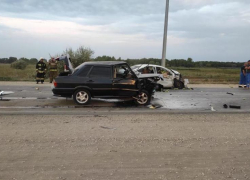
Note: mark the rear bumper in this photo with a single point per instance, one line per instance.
(63, 92)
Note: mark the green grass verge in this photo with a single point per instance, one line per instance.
(195, 75)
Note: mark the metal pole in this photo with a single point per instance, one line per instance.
(163, 61)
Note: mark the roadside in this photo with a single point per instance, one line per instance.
(125, 146)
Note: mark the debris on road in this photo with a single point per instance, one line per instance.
(235, 106)
(212, 108)
(225, 106)
(3, 93)
(104, 127)
(232, 106)
(230, 93)
(154, 106)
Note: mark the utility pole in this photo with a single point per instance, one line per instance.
(163, 61)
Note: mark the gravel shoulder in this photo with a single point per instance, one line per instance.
(127, 146)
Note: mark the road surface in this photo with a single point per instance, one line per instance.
(190, 136)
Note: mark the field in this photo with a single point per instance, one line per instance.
(195, 75)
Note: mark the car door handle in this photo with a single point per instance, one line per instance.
(90, 81)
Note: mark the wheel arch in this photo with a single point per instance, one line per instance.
(85, 88)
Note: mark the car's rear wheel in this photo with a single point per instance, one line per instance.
(178, 84)
(82, 97)
(143, 98)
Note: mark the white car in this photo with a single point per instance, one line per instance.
(170, 78)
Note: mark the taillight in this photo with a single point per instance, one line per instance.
(55, 84)
(66, 67)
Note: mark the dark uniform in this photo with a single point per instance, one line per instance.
(52, 69)
(40, 69)
(243, 79)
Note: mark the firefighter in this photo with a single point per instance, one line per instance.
(40, 70)
(52, 69)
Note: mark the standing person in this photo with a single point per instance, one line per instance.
(52, 69)
(243, 79)
(248, 74)
(40, 70)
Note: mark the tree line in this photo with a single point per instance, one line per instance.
(83, 54)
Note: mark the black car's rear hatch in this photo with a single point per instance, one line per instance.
(68, 68)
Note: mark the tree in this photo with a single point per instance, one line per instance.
(12, 59)
(79, 56)
(33, 61)
(20, 64)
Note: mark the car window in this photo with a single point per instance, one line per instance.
(147, 70)
(100, 72)
(164, 72)
(122, 71)
(83, 71)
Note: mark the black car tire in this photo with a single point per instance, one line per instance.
(143, 98)
(82, 96)
(158, 87)
(178, 84)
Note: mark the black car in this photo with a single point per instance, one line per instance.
(105, 79)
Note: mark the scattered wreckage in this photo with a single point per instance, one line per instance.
(104, 79)
(4, 93)
(169, 78)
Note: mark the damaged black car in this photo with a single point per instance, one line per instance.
(105, 79)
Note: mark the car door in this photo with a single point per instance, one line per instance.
(100, 80)
(168, 78)
(124, 81)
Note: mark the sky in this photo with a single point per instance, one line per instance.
(205, 30)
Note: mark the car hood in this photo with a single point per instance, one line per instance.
(176, 72)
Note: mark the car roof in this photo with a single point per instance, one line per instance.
(104, 63)
(144, 65)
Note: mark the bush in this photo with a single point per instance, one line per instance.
(80, 55)
(19, 64)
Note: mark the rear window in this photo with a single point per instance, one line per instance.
(100, 72)
(83, 71)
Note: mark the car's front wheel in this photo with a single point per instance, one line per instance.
(178, 84)
(143, 98)
(82, 97)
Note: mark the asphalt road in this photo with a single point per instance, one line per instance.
(48, 138)
(200, 99)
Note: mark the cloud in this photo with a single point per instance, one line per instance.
(129, 29)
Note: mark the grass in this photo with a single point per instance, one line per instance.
(9, 74)
(210, 75)
(195, 75)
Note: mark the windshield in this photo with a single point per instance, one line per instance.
(135, 67)
(123, 71)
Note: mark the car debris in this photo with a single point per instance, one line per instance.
(104, 127)
(4, 93)
(231, 106)
(235, 106)
(230, 93)
(212, 108)
(154, 106)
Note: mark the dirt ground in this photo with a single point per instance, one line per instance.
(117, 147)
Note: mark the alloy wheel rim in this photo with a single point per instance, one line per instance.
(82, 97)
(143, 98)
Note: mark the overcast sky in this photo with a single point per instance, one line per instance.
(211, 30)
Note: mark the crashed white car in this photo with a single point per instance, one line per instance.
(170, 77)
